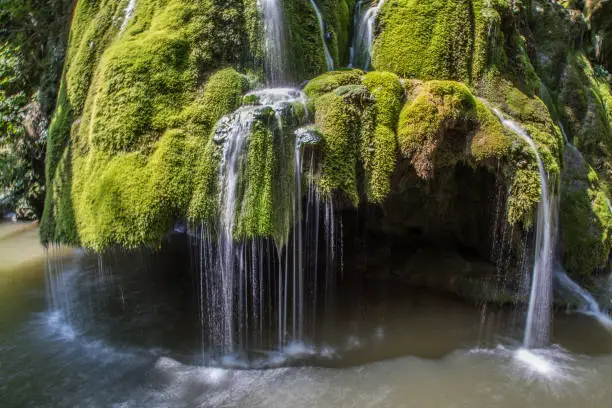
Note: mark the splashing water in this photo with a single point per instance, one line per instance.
(328, 58)
(363, 36)
(274, 29)
(127, 15)
(540, 298)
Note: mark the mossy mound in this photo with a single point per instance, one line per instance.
(444, 123)
(134, 116)
(436, 39)
(586, 220)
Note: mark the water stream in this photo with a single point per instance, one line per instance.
(540, 299)
(328, 58)
(588, 305)
(127, 15)
(363, 34)
(274, 28)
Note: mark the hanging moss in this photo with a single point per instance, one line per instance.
(338, 122)
(380, 150)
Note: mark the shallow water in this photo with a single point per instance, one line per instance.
(123, 331)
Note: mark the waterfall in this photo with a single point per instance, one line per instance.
(588, 304)
(127, 15)
(259, 282)
(363, 35)
(540, 298)
(328, 58)
(274, 29)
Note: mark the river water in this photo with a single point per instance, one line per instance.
(122, 330)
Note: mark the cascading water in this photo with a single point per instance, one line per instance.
(127, 15)
(540, 298)
(274, 29)
(588, 304)
(363, 35)
(260, 282)
(328, 58)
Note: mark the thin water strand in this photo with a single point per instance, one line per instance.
(328, 58)
(588, 305)
(127, 15)
(363, 36)
(540, 298)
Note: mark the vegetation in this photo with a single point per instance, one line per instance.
(134, 145)
(32, 44)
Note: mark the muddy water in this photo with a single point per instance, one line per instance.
(123, 331)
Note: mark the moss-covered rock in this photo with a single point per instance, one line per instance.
(445, 123)
(332, 80)
(436, 39)
(135, 110)
(586, 221)
(379, 150)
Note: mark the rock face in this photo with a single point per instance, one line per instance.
(412, 150)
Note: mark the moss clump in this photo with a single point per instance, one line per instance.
(138, 91)
(338, 121)
(129, 148)
(586, 107)
(436, 39)
(222, 94)
(533, 115)
(586, 222)
(267, 180)
(332, 80)
(442, 119)
(129, 199)
(379, 151)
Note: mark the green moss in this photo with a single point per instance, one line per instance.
(380, 150)
(338, 15)
(332, 80)
(128, 199)
(424, 122)
(256, 206)
(304, 44)
(586, 222)
(338, 122)
(436, 39)
(129, 148)
(267, 180)
(525, 194)
(533, 115)
(586, 104)
(222, 94)
(139, 91)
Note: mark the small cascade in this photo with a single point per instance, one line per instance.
(127, 15)
(540, 298)
(588, 305)
(328, 58)
(363, 35)
(274, 29)
(264, 282)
